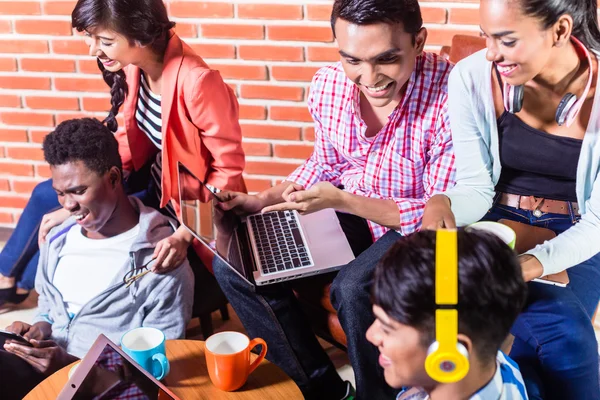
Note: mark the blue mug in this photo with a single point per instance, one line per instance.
(147, 348)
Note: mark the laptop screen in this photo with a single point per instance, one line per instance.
(215, 228)
(114, 377)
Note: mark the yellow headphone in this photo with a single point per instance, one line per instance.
(447, 360)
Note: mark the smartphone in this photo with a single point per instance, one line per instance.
(548, 282)
(13, 336)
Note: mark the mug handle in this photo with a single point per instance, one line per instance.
(164, 365)
(253, 343)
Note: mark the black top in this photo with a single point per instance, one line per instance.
(536, 163)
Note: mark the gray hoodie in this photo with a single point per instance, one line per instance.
(161, 301)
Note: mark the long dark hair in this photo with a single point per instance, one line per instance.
(143, 21)
(583, 12)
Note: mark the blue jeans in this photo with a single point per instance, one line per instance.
(555, 345)
(273, 313)
(19, 258)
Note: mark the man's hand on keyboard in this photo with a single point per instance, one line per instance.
(320, 196)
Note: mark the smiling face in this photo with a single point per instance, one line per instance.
(112, 49)
(379, 58)
(517, 43)
(89, 197)
(402, 353)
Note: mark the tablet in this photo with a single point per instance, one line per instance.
(106, 372)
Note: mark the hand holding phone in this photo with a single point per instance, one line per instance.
(6, 335)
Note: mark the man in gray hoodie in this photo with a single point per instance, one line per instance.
(91, 277)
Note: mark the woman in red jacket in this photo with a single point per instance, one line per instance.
(176, 108)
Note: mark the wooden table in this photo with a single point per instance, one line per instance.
(189, 379)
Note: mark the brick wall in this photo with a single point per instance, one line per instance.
(268, 52)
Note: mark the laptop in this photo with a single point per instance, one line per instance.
(106, 372)
(263, 248)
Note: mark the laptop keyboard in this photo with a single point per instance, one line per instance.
(279, 243)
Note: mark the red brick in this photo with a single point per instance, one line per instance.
(290, 113)
(89, 66)
(212, 50)
(270, 11)
(52, 103)
(464, 16)
(13, 135)
(186, 30)
(230, 31)
(8, 64)
(58, 7)
(301, 33)
(10, 100)
(16, 169)
(292, 93)
(5, 27)
(23, 46)
(26, 119)
(321, 53)
(75, 46)
(6, 218)
(43, 27)
(61, 117)
(318, 12)
(257, 149)
(81, 84)
(443, 37)
(293, 151)
(289, 73)
(270, 132)
(37, 136)
(2, 152)
(25, 153)
(43, 171)
(252, 112)
(229, 71)
(25, 82)
(433, 15)
(201, 9)
(269, 168)
(24, 187)
(4, 185)
(47, 65)
(20, 8)
(96, 104)
(271, 53)
(308, 133)
(257, 185)
(13, 201)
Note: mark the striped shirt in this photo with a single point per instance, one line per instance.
(408, 161)
(148, 113)
(507, 384)
(149, 119)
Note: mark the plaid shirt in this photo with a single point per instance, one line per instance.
(507, 384)
(408, 161)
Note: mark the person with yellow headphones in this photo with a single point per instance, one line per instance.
(444, 302)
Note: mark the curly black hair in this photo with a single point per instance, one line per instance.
(83, 139)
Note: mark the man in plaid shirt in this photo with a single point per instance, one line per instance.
(382, 149)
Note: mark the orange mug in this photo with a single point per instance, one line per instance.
(228, 359)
